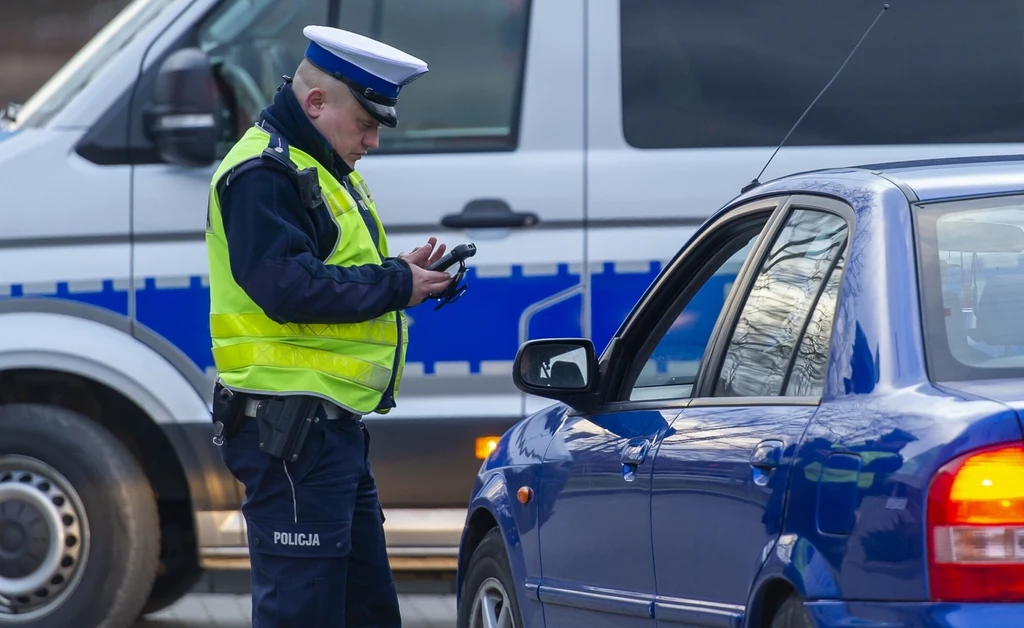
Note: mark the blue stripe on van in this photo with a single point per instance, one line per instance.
(482, 326)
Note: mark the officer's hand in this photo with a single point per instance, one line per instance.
(426, 282)
(424, 256)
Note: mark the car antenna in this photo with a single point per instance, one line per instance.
(756, 182)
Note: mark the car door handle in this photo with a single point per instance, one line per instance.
(489, 214)
(633, 455)
(767, 454)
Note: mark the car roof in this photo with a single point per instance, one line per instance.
(920, 181)
(955, 177)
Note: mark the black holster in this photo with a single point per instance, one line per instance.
(228, 411)
(284, 423)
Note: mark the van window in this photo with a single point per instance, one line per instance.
(736, 73)
(971, 268)
(251, 45)
(475, 50)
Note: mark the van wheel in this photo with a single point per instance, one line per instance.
(169, 589)
(79, 531)
(792, 614)
(489, 594)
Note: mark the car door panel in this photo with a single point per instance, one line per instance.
(595, 528)
(720, 479)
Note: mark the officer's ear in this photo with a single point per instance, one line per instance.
(315, 102)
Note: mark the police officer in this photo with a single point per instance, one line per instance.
(308, 333)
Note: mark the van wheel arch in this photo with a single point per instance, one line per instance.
(179, 568)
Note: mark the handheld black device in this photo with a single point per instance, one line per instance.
(457, 255)
(455, 289)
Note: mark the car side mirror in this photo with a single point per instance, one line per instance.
(182, 120)
(561, 369)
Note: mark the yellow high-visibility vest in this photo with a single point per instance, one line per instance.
(351, 364)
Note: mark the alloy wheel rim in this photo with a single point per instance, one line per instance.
(44, 539)
(492, 607)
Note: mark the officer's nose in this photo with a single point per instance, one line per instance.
(372, 138)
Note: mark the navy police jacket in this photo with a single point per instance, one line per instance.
(277, 247)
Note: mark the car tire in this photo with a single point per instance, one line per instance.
(792, 614)
(489, 576)
(79, 529)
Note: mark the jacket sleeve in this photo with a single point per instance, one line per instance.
(272, 249)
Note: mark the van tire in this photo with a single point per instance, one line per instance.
(169, 590)
(792, 614)
(54, 456)
(488, 569)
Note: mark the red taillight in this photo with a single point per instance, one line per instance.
(976, 527)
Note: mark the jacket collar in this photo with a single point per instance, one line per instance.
(287, 117)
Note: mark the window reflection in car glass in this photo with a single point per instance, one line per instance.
(807, 378)
(779, 303)
(670, 371)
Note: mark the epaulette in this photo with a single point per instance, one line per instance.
(277, 154)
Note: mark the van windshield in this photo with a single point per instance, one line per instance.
(971, 269)
(87, 62)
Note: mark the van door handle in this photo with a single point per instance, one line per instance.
(489, 214)
(633, 455)
(767, 454)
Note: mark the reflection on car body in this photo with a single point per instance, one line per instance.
(842, 445)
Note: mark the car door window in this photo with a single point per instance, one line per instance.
(670, 370)
(769, 333)
(807, 375)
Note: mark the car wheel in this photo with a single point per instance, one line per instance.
(792, 614)
(79, 531)
(488, 595)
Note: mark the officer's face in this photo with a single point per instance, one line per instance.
(349, 128)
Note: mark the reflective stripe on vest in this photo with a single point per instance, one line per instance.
(247, 354)
(235, 325)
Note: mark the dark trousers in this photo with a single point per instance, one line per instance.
(316, 537)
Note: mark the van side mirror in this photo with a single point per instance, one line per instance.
(561, 369)
(182, 120)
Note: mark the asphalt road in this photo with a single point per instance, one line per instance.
(226, 610)
(221, 600)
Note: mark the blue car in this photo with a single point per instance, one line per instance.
(840, 444)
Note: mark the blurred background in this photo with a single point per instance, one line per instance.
(38, 37)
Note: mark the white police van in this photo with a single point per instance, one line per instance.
(577, 142)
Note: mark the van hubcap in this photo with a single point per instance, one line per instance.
(24, 537)
(491, 606)
(43, 539)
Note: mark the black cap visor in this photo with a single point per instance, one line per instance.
(384, 114)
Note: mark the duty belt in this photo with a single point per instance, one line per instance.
(333, 411)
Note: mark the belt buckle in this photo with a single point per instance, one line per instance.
(332, 411)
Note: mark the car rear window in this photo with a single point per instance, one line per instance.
(971, 270)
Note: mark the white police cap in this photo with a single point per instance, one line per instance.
(374, 71)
